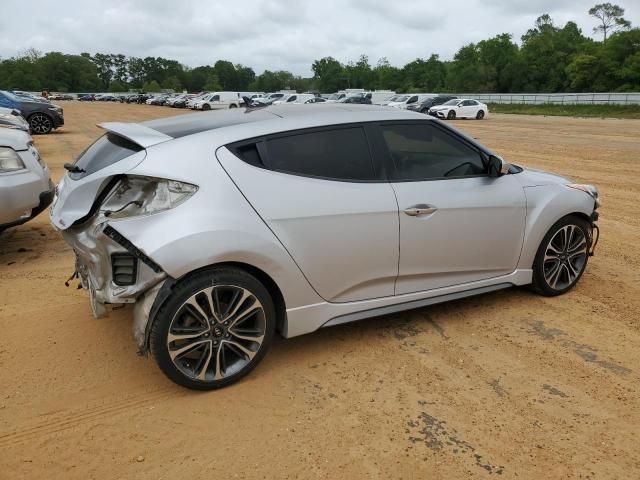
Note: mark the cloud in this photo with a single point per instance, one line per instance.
(273, 34)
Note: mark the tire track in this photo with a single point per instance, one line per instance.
(72, 420)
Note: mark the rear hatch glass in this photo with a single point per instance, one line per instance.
(107, 150)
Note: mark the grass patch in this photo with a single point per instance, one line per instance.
(612, 111)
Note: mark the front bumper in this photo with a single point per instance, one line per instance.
(99, 249)
(437, 113)
(23, 197)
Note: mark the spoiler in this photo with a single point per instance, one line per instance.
(136, 133)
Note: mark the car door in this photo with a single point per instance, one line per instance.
(457, 224)
(334, 212)
(215, 102)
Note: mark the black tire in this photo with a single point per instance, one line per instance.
(233, 105)
(206, 106)
(480, 115)
(451, 115)
(567, 263)
(40, 123)
(195, 284)
(424, 110)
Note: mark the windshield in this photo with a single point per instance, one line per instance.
(399, 98)
(451, 102)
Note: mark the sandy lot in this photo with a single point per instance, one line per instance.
(508, 384)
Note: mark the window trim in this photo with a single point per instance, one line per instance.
(391, 164)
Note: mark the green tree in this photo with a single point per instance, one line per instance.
(117, 86)
(610, 17)
(151, 87)
(329, 74)
(212, 84)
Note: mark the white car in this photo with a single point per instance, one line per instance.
(460, 108)
(218, 101)
(403, 101)
(25, 186)
(295, 98)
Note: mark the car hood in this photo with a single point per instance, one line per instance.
(13, 138)
(442, 107)
(535, 178)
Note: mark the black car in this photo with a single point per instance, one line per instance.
(42, 117)
(360, 99)
(426, 104)
(87, 98)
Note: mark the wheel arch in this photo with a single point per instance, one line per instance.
(164, 293)
(546, 205)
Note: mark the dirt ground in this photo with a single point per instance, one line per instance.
(507, 384)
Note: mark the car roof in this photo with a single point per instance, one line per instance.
(272, 117)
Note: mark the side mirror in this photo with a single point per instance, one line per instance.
(497, 166)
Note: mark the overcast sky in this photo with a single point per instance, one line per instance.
(276, 34)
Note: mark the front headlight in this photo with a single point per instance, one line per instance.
(10, 161)
(135, 196)
(588, 189)
(56, 109)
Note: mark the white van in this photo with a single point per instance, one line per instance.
(405, 99)
(218, 101)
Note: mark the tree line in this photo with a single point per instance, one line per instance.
(550, 58)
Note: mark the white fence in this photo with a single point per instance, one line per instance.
(557, 98)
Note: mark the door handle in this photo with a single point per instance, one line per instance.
(421, 209)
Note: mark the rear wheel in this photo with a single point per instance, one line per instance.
(215, 328)
(480, 115)
(451, 115)
(40, 123)
(233, 105)
(562, 256)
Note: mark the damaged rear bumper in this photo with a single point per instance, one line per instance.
(110, 267)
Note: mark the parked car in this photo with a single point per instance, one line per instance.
(25, 186)
(218, 100)
(361, 99)
(106, 97)
(11, 118)
(404, 101)
(86, 97)
(424, 105)
(30, 97)
(42, 117)
(460, 108)
(304, 218)
(181, 102)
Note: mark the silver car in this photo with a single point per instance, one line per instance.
(224, 228)
(25, 186)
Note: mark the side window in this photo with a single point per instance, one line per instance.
(215, 98)
(341, 154)
(413, 99)
(424, 152)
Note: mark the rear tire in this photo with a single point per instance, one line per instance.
(40, 124)
(233, 105)
(480, 115)
(216, 326)
(562, 256)
(451, 115)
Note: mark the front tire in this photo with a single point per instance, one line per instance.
(451, 115)
(206, 106)
(233, 105)
(40, 124)
(480, 115)
(214, 329)
(562, 256)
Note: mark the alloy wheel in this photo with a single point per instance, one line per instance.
(216, 332)
(40, 123)
(565, 257)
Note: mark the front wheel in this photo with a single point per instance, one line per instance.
(480, 115)
(451, 115)
(40, 123)
(206, 106)
(233, 105)
(562, 256)
(214, 329)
